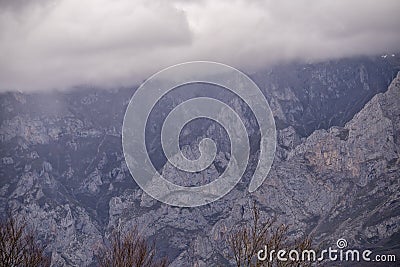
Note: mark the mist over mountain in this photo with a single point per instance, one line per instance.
(48, 45)
(335, 175)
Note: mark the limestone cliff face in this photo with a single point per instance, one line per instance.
(359, 167)
(365, 148)
(336, 171)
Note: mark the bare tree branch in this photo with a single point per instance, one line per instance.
(246, 240)
(18, 246)
(129, 250)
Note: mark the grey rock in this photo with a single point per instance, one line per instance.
(336, 173)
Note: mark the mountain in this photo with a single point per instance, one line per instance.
(335, 174)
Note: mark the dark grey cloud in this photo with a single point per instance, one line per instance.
(48, 44)
(21, 5)
(14, 4)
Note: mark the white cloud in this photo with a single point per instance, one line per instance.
(62, 43)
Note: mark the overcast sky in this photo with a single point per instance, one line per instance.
(58, 44)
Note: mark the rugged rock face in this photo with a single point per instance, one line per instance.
(318, 96)
(335, 175)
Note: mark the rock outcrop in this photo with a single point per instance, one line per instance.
(335, 175)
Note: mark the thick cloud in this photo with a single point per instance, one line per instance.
(57, 44)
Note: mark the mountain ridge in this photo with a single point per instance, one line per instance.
(62, 167)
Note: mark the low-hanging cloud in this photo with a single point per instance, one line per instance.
(58, 44)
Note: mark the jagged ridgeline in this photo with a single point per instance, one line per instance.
(335, 172)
